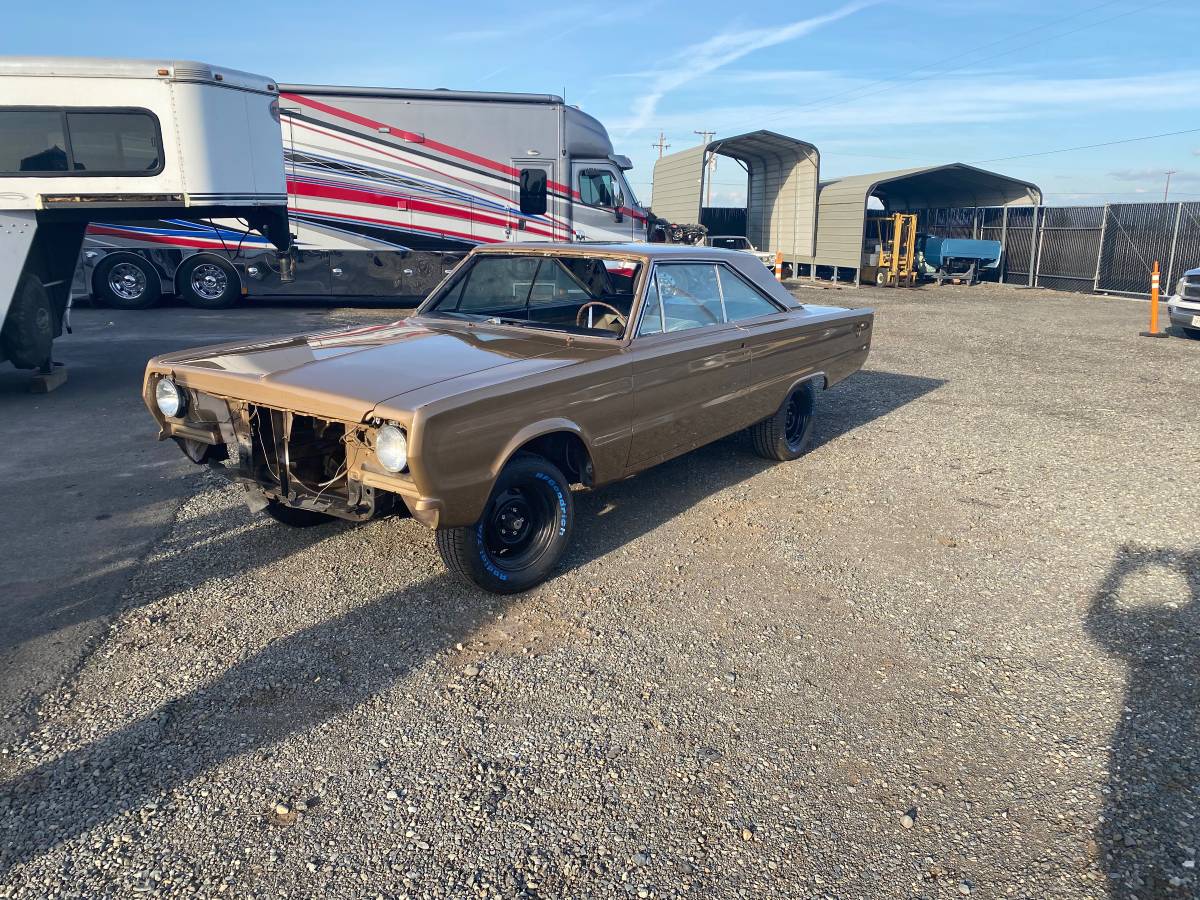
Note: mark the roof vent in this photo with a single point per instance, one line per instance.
(193, 70)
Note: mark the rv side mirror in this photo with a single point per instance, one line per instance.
(618, 204)
(533, 192)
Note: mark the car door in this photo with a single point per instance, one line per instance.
(689, 365)
(598, 210)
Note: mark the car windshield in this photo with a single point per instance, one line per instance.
(579, 294)
(730, 243)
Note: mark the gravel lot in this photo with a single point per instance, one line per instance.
(953, 651)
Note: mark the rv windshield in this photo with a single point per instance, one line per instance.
(580, 294)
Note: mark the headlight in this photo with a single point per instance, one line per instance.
(1180, 285)
(170, 399)
(391, 448)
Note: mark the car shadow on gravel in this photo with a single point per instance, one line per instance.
(617, 514)
(295, 683)
(1150, 827)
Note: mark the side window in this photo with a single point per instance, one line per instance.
(533, 192)
(741, 300)
(32, 141)
(651, 310)
(691, 297)
(597, 188)
(113, 142)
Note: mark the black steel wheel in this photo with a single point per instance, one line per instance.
(126, 281)
(522, 533)
(787, 432)
(208, 282)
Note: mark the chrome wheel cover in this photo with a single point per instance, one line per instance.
(127, 281)
(209, 281)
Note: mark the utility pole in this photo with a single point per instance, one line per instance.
(1167, 189)
(661, 145)
(705, 137)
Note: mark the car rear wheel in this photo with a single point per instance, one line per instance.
(293, 517)
(522, 533)
(126, 281)
(208, 282)
(786, 433)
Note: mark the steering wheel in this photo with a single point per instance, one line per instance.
(616, 312)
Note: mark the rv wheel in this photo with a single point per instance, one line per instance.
(126, 281)
(208, 282)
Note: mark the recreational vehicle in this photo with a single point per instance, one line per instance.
(387, 190)
(85, 140)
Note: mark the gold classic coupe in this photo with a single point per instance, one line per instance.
(530, 369)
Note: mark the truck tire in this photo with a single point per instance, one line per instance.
(522, 533)
(126, 281)
(787, 432)
(208, 282)
(30, 326)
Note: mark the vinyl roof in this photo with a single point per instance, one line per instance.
(923, 187)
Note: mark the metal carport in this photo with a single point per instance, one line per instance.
(842, 202)
(781, 192)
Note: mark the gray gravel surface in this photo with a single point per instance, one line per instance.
(951, 652)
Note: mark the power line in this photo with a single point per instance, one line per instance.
(1132, 140)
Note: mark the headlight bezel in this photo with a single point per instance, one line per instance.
(166, 387)
(391, 447)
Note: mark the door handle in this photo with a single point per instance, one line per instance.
(337, 272)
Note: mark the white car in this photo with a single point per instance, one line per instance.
(739, 242)
(1184, 305)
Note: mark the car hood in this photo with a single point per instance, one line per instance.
(345, 374)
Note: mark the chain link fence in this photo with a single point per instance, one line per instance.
(1105, 249)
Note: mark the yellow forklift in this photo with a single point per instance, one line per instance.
(897, 235)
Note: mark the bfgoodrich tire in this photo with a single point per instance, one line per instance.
(787, 433)
(126, 281)
(208, 282)
(29, 327)
(522, 533)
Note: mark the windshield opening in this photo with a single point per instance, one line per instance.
(579, 294)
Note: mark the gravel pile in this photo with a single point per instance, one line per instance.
(952, 652)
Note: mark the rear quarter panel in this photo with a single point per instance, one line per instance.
(815, 341)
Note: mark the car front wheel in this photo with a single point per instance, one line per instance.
(522, 533)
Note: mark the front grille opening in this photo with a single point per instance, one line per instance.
(317, 455)
(307, 460)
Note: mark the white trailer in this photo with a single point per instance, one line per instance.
(387, 189)
(83, 140)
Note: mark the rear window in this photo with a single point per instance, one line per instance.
(79, 141)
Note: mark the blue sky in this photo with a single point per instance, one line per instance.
(874, 85)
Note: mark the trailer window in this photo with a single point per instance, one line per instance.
(124, 142)
(32, 141)
(597, 187)
(533, 192)
(37, 141)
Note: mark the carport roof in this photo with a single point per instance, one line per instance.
(761, 145)
(952, 184)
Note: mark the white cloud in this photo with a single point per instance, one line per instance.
(720, 50)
